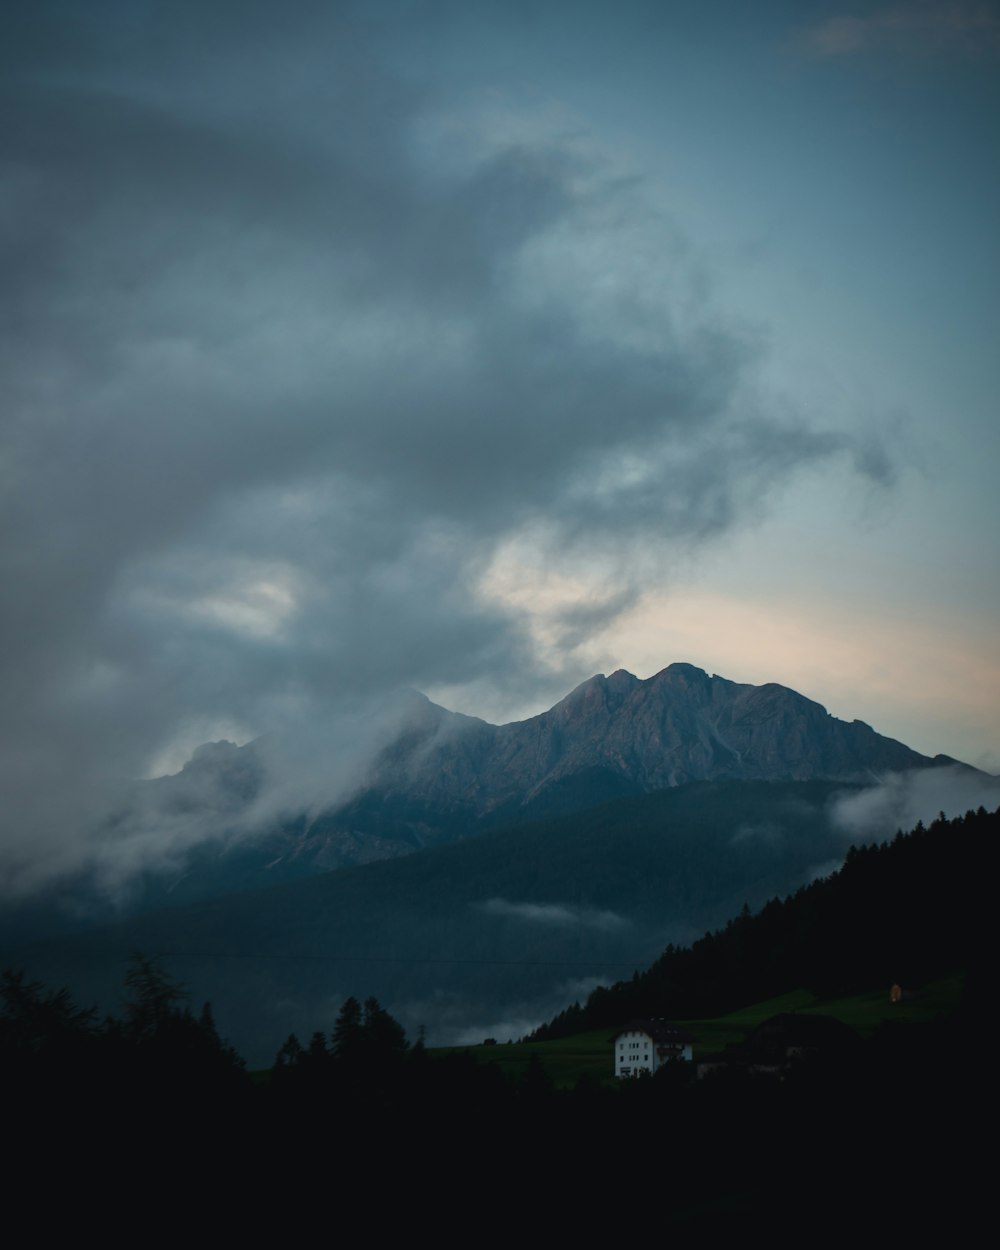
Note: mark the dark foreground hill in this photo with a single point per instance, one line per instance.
(902, 912)
(858, 1134)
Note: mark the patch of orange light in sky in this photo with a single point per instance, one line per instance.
(926, 681)
(937, 691)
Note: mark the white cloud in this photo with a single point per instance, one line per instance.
(903, 799)
(560, 915)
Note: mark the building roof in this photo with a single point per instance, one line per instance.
(663, 1032)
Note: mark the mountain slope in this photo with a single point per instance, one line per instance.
(502, 928)
(239, 818)
(906, 911)
(678, 726)
(446, 776)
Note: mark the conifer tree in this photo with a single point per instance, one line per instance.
(348, 1037)
(384, 1037)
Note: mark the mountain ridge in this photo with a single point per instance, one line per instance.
(241, 817)
(677, 726)
(442, 775)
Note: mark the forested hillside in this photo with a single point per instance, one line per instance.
(900, 912)
(497, 930)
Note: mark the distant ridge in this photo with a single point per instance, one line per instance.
(630, 815)
(440, 776)
(678, 726)
(444, 776)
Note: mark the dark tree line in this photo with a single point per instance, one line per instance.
(53, 1049)
(362, 1059)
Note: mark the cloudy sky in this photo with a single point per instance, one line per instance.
(481, 347)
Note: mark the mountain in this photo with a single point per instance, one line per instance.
(443, 776)
(631, 814)
(681, 725)
(239, 818)
(491, 935)
(485, 936)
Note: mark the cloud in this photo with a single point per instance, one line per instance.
(765, 833)
(825, 869)
(909, 29)
(903, 799)
(457, 1022)
(560, 915)
(223, 794)
(282, 375)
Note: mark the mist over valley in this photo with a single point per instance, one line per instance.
(478, 878)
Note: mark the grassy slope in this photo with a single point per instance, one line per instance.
(590, 1054)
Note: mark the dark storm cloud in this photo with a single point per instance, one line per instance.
(918, 28)
(278, 377)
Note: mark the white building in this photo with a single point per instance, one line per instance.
(646, 1045)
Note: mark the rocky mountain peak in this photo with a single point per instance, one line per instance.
(433, 775)
(622, 679)
(629, 735)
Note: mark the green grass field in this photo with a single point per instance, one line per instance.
(591, 1054)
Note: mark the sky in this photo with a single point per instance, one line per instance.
(478, 348)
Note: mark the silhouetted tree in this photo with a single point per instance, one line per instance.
(290, 1055)
(383, 1037)
(152, 998)
(348, 1039)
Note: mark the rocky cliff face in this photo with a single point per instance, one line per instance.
(240, 819)
(681, 725)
